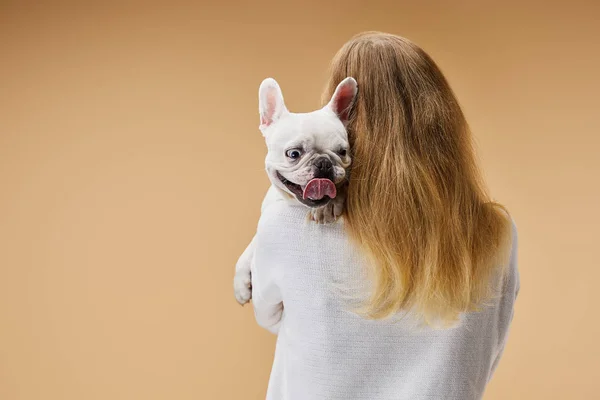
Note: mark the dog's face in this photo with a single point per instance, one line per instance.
(308, 155)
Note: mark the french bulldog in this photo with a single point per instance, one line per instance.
(307, 161)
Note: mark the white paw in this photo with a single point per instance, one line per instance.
(327, 214)
(242, 286)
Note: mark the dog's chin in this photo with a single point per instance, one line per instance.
(298, 190)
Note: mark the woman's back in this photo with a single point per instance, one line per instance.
(326, 351)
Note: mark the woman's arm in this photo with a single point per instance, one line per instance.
(242, 281)
(510, 292)
(266, 298)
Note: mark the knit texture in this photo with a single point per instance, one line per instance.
(325, 351)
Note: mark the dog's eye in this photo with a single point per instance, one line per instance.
(294, 154)
(343, 152)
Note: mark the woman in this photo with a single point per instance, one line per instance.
(411, 295)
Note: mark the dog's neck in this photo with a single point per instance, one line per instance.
(286, 196)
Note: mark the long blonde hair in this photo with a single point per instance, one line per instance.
(416, 201)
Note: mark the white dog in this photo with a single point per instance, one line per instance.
(307, 160)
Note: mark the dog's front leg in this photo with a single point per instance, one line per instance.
(242, 282)
(329, 213)
(332, 211)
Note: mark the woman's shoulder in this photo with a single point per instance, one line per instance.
(283, 219)
(510, 280)
(513, 261)
(276, 207)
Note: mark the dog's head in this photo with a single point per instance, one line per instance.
(308, 153)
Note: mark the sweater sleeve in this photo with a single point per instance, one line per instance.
(266, 298)
(509, 296)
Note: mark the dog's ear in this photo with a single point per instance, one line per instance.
(270, 103)
(343, 98)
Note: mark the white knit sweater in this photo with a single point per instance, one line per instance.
(326, 352)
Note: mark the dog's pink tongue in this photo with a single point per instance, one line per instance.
(318, 188)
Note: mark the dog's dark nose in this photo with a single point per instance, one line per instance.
(323, 164)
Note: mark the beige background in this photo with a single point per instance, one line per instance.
(131, 174)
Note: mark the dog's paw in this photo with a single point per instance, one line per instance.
(323, 215)
(242, 286)
(327, 214)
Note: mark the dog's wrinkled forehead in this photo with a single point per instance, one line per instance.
(322, 129)
(318, 130)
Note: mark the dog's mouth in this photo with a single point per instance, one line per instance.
(316, 193)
